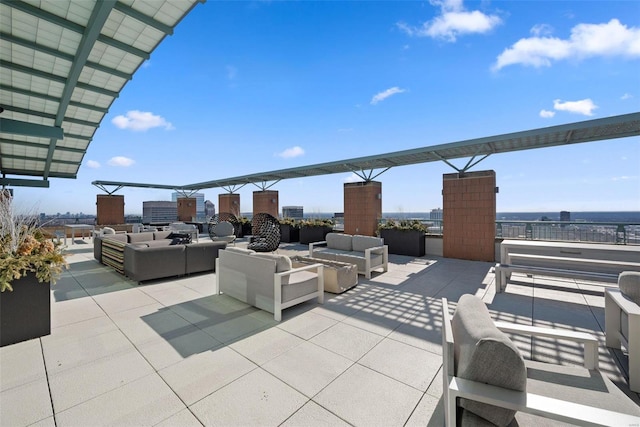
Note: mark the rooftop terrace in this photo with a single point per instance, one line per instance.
(169, 352)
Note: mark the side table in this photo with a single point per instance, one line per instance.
(338, 276)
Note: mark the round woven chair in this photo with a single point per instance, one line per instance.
(266, 233)
(222, 217)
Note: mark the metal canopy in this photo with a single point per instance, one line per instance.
(62, 64)
(587, 131)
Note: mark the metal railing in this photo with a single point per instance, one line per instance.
(595, 232)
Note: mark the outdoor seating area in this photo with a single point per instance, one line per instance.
(176, 352)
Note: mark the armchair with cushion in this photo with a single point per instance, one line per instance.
(267, 281)
(487, 382)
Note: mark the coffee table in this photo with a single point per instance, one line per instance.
(338, 276)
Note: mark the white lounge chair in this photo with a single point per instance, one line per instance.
(487, 382)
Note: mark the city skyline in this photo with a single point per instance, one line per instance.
(247, 87)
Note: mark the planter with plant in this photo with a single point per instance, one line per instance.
(289, 230)
(315, 230)
(29, 263)
(405, 237)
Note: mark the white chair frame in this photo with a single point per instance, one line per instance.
(614, 305)
(535, 404)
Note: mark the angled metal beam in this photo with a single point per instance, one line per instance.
(42, 14)
(17, 127)
(40, 146)
(98, 17)
(123, 46)
(19, 182)
(30, 112)
(35, 46)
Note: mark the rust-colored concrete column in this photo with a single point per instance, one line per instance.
(266, 201)
(469, 215)
(362, 207)
(186, 208)
(229, 203)
(110, 209)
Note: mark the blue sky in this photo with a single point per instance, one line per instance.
(247, 87)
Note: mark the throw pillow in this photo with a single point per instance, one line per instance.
(629, 284)
(108, 230)
(485, 354)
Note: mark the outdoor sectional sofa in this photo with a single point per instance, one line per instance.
(154, 255)
(366, 252)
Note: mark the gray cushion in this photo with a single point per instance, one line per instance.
(339, 241)
(239, 250)
(629, 284)
(283, 262)
(360, 243)
(485, 354)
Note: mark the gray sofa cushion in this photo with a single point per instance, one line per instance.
(339, 241)
(360, 243)
(485, 354)
(629, 284)
(283, 262)
(239, 250)
(139, 237)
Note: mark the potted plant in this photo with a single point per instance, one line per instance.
(315, 230)
(245, 226)
(405, 237)
(29, 263)
(289, 230)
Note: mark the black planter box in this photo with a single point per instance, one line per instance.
(404, 242)
(313, 234)
(289, 233)
(25, 313)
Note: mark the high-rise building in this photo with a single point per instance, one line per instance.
(565, 216)
(200, 208)
(159, 211)
(209, 209)
(436, 214)
(295, 212)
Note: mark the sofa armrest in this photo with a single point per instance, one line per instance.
(590, 342)
(313, 245)
(317, 266)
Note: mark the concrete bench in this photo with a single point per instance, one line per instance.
(596, 265)
(503, 273)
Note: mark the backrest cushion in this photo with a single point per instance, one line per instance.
(157, 235)
(360, 243)
(339, 241)
(108, 230)
(484, 354)
(223, 228)
(629, 284)
(283, 262)
(239, 250)
(139, 237)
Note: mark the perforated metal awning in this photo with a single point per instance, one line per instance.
(62, 64)
(475, 149)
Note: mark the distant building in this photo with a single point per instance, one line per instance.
(161, 211)
(295, 212)
(209, 209)
(565, 216)
(200, 208)
(436, 214)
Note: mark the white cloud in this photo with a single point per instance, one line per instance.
(626, 96)
(584, 106)
(541, 30)
(120, 161)
(586, 40)
(292, 152)
(352, 178)
(386, 94)
(232, 72)
(453, 21)
(93, 164)
(546, 114)
(140, 121)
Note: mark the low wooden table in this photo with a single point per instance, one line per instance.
(338, 276)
